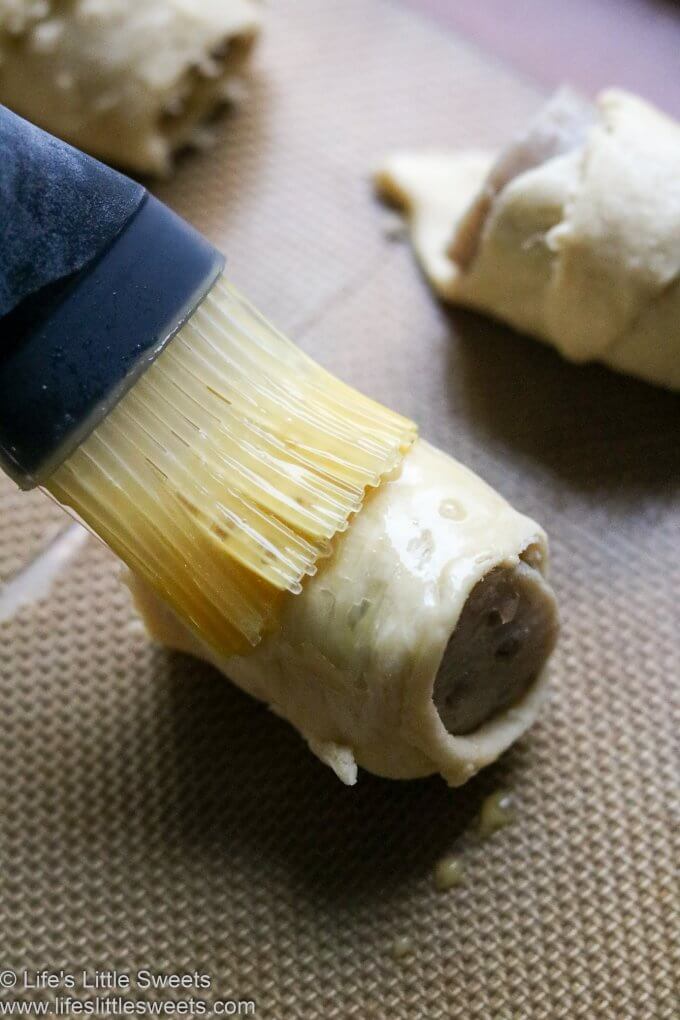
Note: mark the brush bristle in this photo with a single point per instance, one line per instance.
(223, 475)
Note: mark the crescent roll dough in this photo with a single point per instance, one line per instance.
(131, 81)
(419, 645)
(571, 234)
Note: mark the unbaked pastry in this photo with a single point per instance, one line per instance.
(129, 81)
(420, 644)
(571, 234)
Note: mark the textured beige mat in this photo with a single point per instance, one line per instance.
(28, 522)
(153, 817)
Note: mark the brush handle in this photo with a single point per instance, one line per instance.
(96, 276)
(60, 209)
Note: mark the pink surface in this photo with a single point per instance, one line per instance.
(589, 43)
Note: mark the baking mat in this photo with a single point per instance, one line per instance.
(153, 817)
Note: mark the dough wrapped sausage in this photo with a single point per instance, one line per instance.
(129, 81)
(420, 644)
(571, 234)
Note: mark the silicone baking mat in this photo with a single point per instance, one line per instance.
(153, 817)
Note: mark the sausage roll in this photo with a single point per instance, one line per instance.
(571, 234)
(419, 646)
(130, 82)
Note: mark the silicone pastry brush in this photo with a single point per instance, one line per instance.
(146, 395)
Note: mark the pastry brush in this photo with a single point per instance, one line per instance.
(145, 394)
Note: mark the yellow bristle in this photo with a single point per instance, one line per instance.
(224, 473)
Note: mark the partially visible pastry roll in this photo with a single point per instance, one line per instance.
(572, 234)
(420, 644)
(130, 81)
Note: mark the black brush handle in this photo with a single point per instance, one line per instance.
(96, 276)
(59, 209)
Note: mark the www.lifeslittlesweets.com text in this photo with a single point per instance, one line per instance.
(19, 986)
